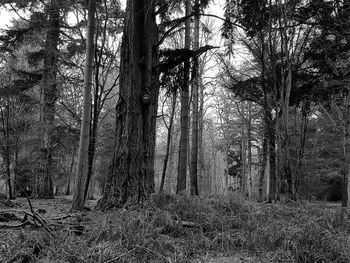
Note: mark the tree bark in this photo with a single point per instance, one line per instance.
(272, 156)
(131, 174)
(169, 137)
(80, 180)
(71, 169)
(195, 101)
(184, 119)
(346, 176)
(48, 100)
(263, 165)
(249, 154)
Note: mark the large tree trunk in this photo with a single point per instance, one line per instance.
(131, 174)
(48, 98)
(195, 116)
(79, 196)
(184, 120)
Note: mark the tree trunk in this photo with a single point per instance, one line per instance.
(169, 137)
(15, 169)
(204, 181)
(346, 176)
(249, 149)
(195, 116)
(272, 156)
(263, 164)
(243, 153)
(303, 128)
(48, 100)
(71, 170)
(79, 194)
(131, 174)
(184, 120)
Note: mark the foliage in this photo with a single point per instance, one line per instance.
(158, 233)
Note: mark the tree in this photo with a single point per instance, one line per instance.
(184, 120)
(81, 177)
(195, 101)
(131, 174)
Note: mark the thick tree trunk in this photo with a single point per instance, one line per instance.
(79, 194)
(48, 98)
(184, 120)
(169, 137)
(195, 101)
(131, 174)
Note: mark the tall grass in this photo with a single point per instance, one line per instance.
(179, 229)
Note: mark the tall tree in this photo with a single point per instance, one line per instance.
(195, 109)
(48, 100)
(131, 174)
(81, 176)
(184, 120)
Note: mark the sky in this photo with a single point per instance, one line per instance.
(216, 7)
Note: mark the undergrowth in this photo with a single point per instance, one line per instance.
(179, 229)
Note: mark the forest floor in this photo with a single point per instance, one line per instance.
(175, 229)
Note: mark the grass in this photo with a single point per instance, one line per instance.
(180, 229)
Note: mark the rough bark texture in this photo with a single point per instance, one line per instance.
(131, 174)
(195, 101)
(183, 148)
(48, 100)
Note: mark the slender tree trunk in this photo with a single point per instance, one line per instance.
(6, 149)
(244, 180)
(48, 97)
(249, 149)
(203, 179)
(263, 164)
(346, 176)
(131, 175)
(79, 197)
(184, 120)
(303, 128)
(71, 170)
(168, 143)
(92, 144)
(195, 101)
(272, 155)
(15, 169)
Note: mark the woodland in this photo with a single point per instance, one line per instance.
(175, 131)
